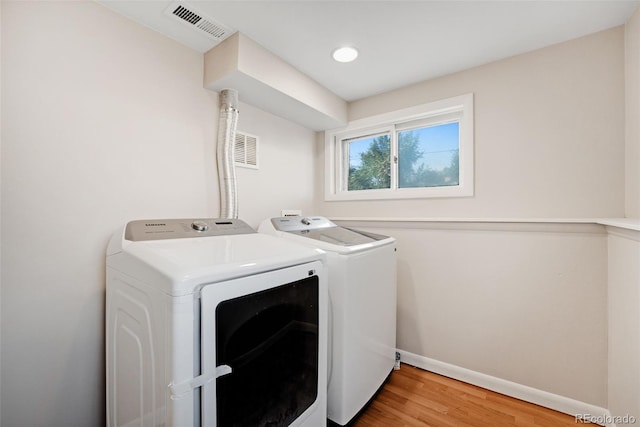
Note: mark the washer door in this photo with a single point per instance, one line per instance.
(265, 329)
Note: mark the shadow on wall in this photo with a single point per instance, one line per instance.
(78, 372)
(408, 308)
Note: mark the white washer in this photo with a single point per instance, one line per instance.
(362, 302)
(209, 323)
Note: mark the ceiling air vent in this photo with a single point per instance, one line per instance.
(196, 20)
(246, 150)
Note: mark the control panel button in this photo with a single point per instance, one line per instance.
(199, 226)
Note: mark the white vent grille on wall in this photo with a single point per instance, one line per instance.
(191, 17)
(246, 150)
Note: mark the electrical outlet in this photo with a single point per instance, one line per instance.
(291, 212)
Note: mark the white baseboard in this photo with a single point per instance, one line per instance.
(509, 388)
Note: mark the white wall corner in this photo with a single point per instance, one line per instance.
(632, 110)
(0, 214)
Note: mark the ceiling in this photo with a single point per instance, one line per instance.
(400, 42)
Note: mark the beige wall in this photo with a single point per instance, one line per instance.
(624, 322)
(523, 302)
(632, 123)
(103, 121)
(624, 253)
(549, 135)
(285, 178)
(0, 212)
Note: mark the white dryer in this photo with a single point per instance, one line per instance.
(209, 323)
(362, 302)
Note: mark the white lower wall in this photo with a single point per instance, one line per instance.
(523, 302)
(624, 322)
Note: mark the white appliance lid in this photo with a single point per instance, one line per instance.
(322, 229)
(178, 265)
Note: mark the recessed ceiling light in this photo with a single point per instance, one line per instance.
(345, 54)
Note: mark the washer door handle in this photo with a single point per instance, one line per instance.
(180, 389)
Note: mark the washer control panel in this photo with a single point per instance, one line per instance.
(320, 228)
(299, 223)
(159, 229)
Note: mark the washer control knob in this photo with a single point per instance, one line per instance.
(306, 221)
(199, 226)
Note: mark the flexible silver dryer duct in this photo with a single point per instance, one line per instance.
(226, 157)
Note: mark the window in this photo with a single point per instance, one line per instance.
(423, 151)
(369, 162)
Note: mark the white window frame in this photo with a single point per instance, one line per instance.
(459, 109)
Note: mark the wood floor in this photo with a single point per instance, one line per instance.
(416, 398)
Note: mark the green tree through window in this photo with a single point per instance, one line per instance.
(426, 158)
(373, 171)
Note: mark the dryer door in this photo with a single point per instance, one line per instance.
(265, 328)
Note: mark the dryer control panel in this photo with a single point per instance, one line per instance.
(158, 229)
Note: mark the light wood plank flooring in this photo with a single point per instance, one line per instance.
(416, 398)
